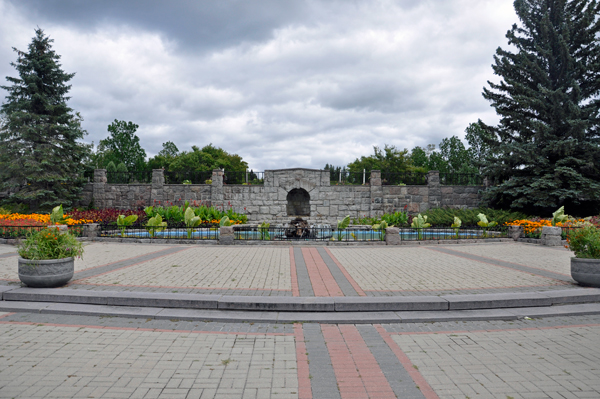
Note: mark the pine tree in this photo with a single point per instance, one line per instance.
(39, 148)
(545, 150)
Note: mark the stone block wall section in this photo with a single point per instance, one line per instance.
(270, 201)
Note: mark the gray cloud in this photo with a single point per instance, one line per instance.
(283, 84)
(195, 25)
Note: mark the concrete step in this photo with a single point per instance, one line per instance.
(236, 316)
(300, 304)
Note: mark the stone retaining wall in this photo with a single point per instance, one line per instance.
(273, 200)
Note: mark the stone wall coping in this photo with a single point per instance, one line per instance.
(290, 169)
(183, 185)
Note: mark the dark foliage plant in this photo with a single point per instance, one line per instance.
(444, 217)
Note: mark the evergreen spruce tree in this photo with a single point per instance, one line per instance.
(545, 151)
(39, 148)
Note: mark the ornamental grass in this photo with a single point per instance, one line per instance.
(50, 244)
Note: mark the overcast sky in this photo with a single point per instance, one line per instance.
(282, 83)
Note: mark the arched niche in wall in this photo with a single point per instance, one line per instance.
(298, 202)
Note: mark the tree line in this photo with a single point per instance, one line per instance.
(121, 151)
(451, 157)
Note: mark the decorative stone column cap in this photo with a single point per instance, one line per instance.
(551, 230)
(100, 176)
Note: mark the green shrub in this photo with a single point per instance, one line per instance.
(444, 217)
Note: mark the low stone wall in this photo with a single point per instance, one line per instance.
(308, 191)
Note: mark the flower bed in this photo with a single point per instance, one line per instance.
(533, 228)
(41, 218)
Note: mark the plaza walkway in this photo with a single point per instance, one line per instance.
(455, 321)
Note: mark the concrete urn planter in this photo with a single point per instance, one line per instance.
(46, 273)
(586, 271)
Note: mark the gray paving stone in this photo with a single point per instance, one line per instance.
(164, 299)
(10, 306)
(304, 284)
(6, 288)
(456, 315)
(100, 310)
(303, 304)
(339, 317)
(337, 274)
(573, 295)
(217, 315)
(562, 310)
(370, 304)
(500, 300)
(56, 295)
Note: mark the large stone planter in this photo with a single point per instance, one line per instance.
(586, 271)
(46, 273)
(551, 236)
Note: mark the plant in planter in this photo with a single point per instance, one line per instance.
(123, 222)
(419, 223)
(483, 222)
(456, 225)
(559, 216)
(341, 226)
(155, 224)
(263, 229)
(47, 258)
(585, 266)
(381, 226)
(191, 221)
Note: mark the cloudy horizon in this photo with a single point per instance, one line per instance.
(282, 84)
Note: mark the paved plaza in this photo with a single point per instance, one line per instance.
(68, 353)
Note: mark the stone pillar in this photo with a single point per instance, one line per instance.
(551, 236)
(99, 188)
(392, 236)
(226, 236)
(376, 194)
(158, 182)
(515, 232)
(325, 178)
(435, 191)
(216, 190)
(91, 230)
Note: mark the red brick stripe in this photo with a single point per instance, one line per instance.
(321, 278)
(354, 284)
(417, 377)
(304, 387)
(356, 370)
(293, 274)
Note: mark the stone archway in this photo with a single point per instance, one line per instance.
(298, 202)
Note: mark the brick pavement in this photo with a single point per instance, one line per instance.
(311, 271)
(421, 269)
(95, 255)
(76, 356)
(546, 362)
(553, 259)
(262, 268)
